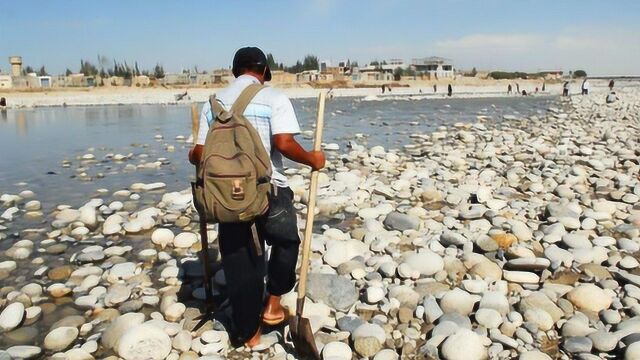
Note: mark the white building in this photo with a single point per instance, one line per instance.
(5, 81)
(433, 66)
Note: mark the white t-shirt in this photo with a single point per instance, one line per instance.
(270, 112)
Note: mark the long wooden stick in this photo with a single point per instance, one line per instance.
(311, 207)
(195, 123)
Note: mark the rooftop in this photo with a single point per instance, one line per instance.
(431, 60)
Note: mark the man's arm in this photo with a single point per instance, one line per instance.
(290, 148)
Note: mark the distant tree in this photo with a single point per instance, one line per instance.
(136, 71)
(354, 64)
(68, 72)
(397, 73)
(281, 66)
(579, 74)
(297, 68)
(88, 68)
(310, 62)
(158, 71)
(42, 71)
(474, 72)
(271, 62)
(103, 73)
(28, 70)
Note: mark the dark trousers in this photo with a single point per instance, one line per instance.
(244, 265)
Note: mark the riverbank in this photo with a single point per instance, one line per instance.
(128, 95)
(516, 239)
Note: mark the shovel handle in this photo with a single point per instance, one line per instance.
(195, 123)
(311, 207)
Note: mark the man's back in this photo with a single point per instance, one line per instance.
(270, 113)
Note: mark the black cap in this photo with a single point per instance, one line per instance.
(247, 57)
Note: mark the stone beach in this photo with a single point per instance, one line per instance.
(514, 239)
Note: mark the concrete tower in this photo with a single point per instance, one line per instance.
(16, 65)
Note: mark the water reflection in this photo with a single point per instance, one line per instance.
(21, 123)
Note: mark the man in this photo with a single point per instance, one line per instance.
(272, 115)
(585, 87)
(565, 89)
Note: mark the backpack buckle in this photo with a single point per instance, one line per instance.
(237, 192)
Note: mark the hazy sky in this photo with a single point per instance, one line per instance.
(602, 37)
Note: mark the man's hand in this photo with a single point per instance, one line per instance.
(289, 147)
(316, 160)
(195, 154)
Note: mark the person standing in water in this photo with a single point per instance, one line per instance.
(449, 90)
(435, 88)
(611, 83)
(509, 89)
(565, 89)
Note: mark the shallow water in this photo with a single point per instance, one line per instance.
(35, 142)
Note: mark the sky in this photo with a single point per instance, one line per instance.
(601, 37)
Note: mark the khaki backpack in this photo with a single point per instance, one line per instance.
(234, 174)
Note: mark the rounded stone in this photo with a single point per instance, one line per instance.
(464, 345)
(336, 350)
(60, 338)
(589, 297)
(144, 342)
(11, 316)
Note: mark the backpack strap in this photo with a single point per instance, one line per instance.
(245, 98)
(218, 111)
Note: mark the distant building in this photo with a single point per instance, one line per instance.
(45, 81)
(225, 76)
(552, 74)
(282, 78)
(16, 65)
(374, 73)
(176, 79)
(433, 67)
(5, 81)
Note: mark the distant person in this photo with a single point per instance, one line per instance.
(518, 88)
(544, 86)
(509, 89)
(3, 103)
(383, 88)
(330, 93)
(565, 89)
(449, 90)
(585, 87)
(611, 83)
(536, 89)
(524, 92)
(435, 88)
(612, 97)
(419, 91)
(388, 88)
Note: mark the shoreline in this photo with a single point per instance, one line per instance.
(164, 96)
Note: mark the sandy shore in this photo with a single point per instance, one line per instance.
(126, 95)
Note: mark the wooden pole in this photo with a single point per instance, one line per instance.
(311, 207)
(195, 124)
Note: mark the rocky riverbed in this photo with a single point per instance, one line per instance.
(517, 239)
